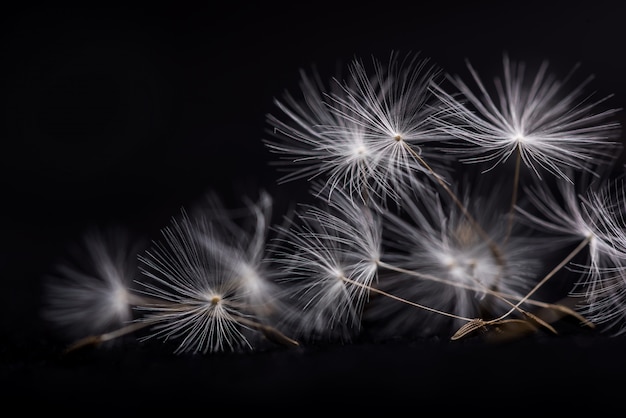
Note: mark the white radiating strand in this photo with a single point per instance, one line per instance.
(455, 268)
(552, 126)
(603, 293)
(573, 212)
(93, 293)
(209, 285)
(327, 256)
(366, 134)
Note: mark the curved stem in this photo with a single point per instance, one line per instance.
(505, 297)
(268, 331)
(108, 336)
(494, 248)
(547, 277)
(417, 305)
(502, 296)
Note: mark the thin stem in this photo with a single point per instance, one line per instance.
(547, 277)
(500, 295)
(417, 305)
(494, 293)
(494, 248)
(268, 331)
(99, 339)
(511, 215)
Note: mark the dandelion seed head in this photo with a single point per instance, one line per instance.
(601, 287)
(468, 264)
(92, 293)
(457, 271)
(361, 133)
(520, 138)
(551, 126)
(360, 151)
(250, 277)
(327, 257)
(446, 263)
(337, 274)
(588, 211)
(207, 274)
(447, 260)
(119, 300)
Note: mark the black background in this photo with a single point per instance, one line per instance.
(123, 115)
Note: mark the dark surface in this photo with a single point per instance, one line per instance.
(124, 115)
(567, 375)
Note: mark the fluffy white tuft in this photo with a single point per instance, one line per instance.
(366, 135)
(209, 287)
(551, 125)
(327, 257)
(92, 293)
(438, 257)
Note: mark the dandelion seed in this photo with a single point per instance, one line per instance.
(550, 126)
(93, 294)
(366, 134)
(602, 290)
(307, 152)
(583, 213)
(210, 288)
(239, 241)
(327, 258)
(436, 257)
